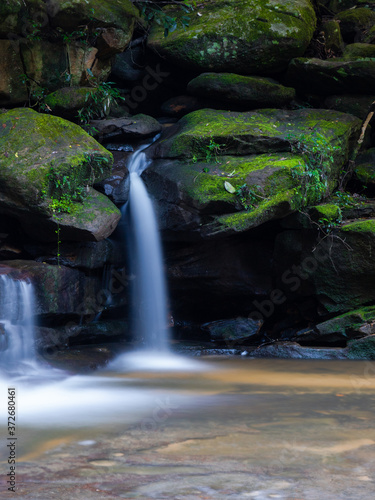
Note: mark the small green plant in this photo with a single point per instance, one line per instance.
(249, 197)
(313, 177)
(151, 11)
(344, 199)
(98, 101)
(327, 225)
(32, 29)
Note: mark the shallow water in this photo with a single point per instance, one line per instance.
(224, 428)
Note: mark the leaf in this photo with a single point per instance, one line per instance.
(228, 187)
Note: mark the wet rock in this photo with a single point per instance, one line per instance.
(334, 43)
(248, 91)
(128, 66)
(292, 350)
(234, 331)
(247, 37)
(137, 126)
(58, 290)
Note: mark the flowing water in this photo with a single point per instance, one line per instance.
(16, 321)
(150, 296)
(190, 429)
(241, 428)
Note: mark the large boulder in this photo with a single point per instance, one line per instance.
(241, 36)
(248, 91)
(47, 167)
(331, 76)
(226, 172)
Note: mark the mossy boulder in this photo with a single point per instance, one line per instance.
(340, 329)
(209, 133)
(67, 101)
(331, 76)
(241, 36)
(248, 91)
(355, 50)
(47, 166)
(225, 172)
(357, 105)
(354, 23)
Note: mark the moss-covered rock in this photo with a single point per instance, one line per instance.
(332, 76)
(237, 171)
(357, 105)
(48, 163)
(354, 23)
(340, 329)
(67, 101)
(245, 37)
(355, 50)
(248, 91)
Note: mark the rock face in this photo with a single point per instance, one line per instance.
(245, 37)
(55, 43)
(47, 166)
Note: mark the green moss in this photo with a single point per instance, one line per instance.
(360, 18)
(275, 207)
(355, 50)
(363, 226)
(328, 211)
(239, 35)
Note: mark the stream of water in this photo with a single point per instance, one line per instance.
(16, 320)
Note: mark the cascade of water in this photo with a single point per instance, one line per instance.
(150, 312)
(16, 323)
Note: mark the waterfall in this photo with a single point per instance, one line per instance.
(16, 323)
(146, 261)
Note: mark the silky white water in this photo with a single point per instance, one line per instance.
(17, 325)
(149, 294)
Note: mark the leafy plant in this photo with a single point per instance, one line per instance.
(152, 11)
(249, 197)
(313, 177)
(98, 101)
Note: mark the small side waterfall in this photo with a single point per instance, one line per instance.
(16, 323)
(149, 294)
